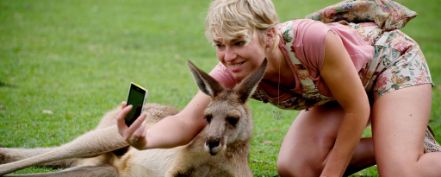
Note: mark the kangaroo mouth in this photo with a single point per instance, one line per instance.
(214, 146)
(212, 152)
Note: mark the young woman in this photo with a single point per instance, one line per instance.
(340, 76)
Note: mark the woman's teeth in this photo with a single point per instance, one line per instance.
(237, 64)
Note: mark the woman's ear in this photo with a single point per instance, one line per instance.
(270, 38)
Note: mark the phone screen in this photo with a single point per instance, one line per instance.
(136, 99)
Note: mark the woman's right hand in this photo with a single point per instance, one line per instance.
(135, 135)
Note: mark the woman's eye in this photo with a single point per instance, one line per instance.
(239, 43)
(219, 46)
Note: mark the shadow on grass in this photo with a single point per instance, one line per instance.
(4, 84)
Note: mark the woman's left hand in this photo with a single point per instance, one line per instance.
(134, 134)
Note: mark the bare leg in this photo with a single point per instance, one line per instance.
(398, 135)
(91, 144)
(310, 139)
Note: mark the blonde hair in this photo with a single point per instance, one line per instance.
(230, 19)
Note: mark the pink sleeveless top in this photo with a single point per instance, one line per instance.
(302, 44)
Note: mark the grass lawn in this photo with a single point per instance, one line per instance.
(63, 64)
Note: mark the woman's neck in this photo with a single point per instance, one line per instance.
(278, 70)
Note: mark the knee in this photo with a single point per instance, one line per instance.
(287, 167)
(284, 168)
(397, 167)
(397, 171)
(303, 162)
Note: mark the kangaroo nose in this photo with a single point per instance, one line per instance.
(213, 143)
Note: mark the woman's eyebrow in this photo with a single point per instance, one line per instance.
(240, 39)
(217, 42)
(232, 41)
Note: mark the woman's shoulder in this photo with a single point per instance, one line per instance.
(302, 22)
(304, 28)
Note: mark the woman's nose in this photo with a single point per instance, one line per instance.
(230, 54)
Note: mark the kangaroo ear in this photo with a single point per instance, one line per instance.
(247, 87)
(205, 82)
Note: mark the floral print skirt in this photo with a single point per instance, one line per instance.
(398, 63)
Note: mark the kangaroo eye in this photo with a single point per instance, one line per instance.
(232, 120)
(208, 117)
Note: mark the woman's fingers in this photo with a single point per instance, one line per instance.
(122, 127)
(133, 134)
(138, 122)
(135, 125)
(138, 139)
(122, 105)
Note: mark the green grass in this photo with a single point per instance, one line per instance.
(63, 64)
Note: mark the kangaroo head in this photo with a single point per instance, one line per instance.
(227, 115)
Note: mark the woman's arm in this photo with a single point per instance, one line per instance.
(343, 80)
(169, 132)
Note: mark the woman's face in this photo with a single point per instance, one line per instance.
(238, 56)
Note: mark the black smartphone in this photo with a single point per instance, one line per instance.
(136, 98)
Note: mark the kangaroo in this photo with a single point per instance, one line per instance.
(220, 149)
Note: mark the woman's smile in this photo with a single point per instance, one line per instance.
(236, 67)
